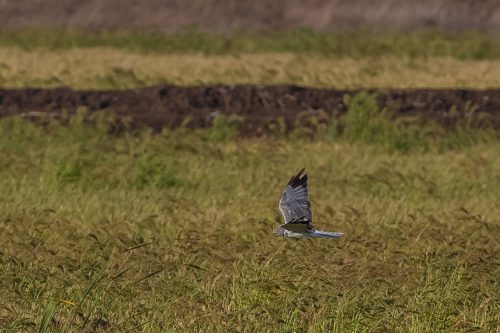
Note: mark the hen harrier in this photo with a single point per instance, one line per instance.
(296, 210)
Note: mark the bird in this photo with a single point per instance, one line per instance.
(296, 210)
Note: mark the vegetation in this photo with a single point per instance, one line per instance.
(471, 45)
(119, 60)
(366, 122)
(106, 68)
(173, 231)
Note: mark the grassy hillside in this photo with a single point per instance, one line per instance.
(173, 232)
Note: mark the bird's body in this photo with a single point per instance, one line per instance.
(296, 210)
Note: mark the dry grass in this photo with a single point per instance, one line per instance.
(102, 68)
(172, 232)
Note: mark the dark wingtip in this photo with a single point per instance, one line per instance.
(300, 179)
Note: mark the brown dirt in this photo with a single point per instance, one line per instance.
(256, 15)
(168, 106)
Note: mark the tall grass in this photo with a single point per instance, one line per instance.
(172, 231)
(366, 122)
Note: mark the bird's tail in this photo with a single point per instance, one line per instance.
(326, 234)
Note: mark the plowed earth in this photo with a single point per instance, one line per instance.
(259, 106)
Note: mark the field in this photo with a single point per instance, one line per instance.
(118, 69)
(358, 60)
(172, 230)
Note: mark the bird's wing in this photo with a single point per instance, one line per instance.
(300, 226)
(294, 203)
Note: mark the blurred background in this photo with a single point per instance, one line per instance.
(387, 45)
(259, 15)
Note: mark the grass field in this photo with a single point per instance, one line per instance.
(357, 44)
(120, 60)
(172, 232)
(107, 68)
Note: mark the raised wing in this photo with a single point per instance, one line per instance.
(294, 203)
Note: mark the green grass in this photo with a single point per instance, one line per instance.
(106, 68)
(172, 232)
(360, 44)
(50, 58)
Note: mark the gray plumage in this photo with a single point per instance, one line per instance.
(296, 210)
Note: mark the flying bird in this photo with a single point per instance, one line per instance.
(296, 210)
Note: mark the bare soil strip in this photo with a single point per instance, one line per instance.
(170, 106)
